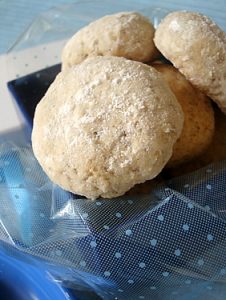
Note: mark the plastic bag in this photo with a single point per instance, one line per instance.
(168, 244)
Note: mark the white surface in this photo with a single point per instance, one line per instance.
(16, 65)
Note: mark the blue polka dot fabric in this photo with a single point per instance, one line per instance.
(168, 244)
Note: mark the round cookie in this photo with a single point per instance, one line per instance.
(125, 34)
(198, 126)
(216, 151)
(197, 47)
(105, 125)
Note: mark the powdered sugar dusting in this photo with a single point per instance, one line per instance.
(104, 125)
(109, 36)
(174, 25)
(197, 47)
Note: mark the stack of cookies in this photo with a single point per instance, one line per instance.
(116, 115)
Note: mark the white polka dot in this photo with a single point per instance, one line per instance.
(165, 274)
(98, 203)
(118, 255)
(153, 242)
(185, 227)
(58, 252)
(177, 252)
(130, 281)
(51, 230)
(188, 281)
(82, 263)
(93, 244)
(142, 265)
(209, 237)
(167, 189)
(107, 273)
(85, 215)
(223, 272)
(209, 186)
(153, 287)
(42, 215)
(186, 186)
(106, 227)
(160, 218)
(190, 205)
(118, 215)
(120, 291)
(200, 262)
(130, 201)
(129, 232)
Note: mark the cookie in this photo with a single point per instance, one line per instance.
(198, 128)
(105, 125)
(216, 151)
(197, 47)
(125, 34)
